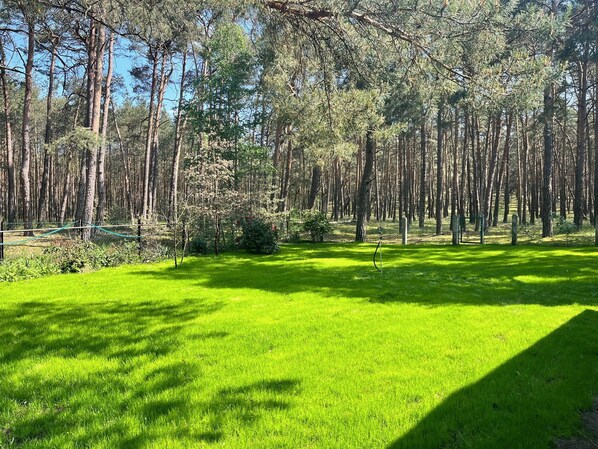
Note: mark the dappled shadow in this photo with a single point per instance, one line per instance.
(69, 370)
(426, 275)
(525, 403)
(122, 375)
(246, 404)
(110, 329)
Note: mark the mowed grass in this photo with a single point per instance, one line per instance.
(481, 347)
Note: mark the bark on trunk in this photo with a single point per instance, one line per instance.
(149, 136)
(95, 76)
(316, 175)
(439, 170)
(102, 154)
(578, 199)
(363, 193)
(548, 163)
(10, 157)
(423, 181)
(45, 187)
(178, 140)
(26, 132)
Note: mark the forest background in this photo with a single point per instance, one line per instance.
(215, 111)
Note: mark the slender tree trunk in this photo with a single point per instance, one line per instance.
(284, 188)
(127, 171)
(10, 157)
(102, 154)
(96, 58)
(164, 79)
(363, 193)
(546, 208)
(578, 199)
(316, 175)
(178, 140)
(150, 133)
(423, 181)
(26, 132)
(596, 140)
(492, 169)
(439, 169)
(45, 187)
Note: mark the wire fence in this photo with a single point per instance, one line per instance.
(19, 241)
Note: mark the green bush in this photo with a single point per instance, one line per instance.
(259, 237)
(77, 256)
(27, 268)
(317, 225)
(198, 245)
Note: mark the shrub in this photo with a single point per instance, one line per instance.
(564, 226)
(317, 225)
(27, 268)
(259, 237)
(198, 245)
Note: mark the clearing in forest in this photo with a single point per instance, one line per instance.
(483, 347)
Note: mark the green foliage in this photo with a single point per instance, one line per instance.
(224, 93)
(566, 227)
(79, 256)
(76, 257)
(317, 225)
(27, 268)
(259, 237)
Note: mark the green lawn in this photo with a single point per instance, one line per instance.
(473, 347)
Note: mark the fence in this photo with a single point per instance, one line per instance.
(39, 238)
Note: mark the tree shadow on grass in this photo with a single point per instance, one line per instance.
(64, 366)
(424, 275)
(114, 375)
(527, 402)
(111, 329)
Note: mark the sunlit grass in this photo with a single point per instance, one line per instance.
(484, 347)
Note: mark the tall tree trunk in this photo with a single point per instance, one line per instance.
(102, 153)
(546, 208)
(596, 140)
(363, 194)
(275, 163)
(164, 79)
(423, 181)
(439, 168)
(316, 175)
(492, 169)
(10, 156)
(178, 140)
(26, 131)
(580, 163)
(455, 194)
(284, 187)
(507, 171)
(95, 76)
(45, 187)
(127, 171)
(150, 133)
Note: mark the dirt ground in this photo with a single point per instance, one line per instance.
(589, 440)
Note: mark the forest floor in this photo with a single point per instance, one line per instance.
(473, 346)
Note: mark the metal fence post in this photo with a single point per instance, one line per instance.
(514, 230)
(81, 233)
(2, 240)
(139, 233)
(482, 226)
(404, 230)
(455, 229)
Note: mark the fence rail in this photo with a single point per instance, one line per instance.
(47, 233)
